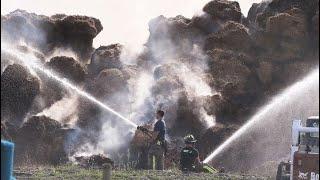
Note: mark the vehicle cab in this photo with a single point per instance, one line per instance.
(305, 150)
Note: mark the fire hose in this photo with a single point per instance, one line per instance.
(144, 130)
(149, 134)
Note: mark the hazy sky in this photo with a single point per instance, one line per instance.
(124, 21)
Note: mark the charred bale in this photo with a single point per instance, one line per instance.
(18, 91)
(47, 33)
(68, 68)
(223, 9)
(105, 57)
(40, 141)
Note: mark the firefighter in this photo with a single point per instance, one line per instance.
(158, 148)
(189, 158)
(189, 155)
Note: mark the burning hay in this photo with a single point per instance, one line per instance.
(94, 161)
(208, 73)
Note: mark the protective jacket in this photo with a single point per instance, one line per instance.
(188, 156)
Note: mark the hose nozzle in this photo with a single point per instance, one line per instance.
(145, 130)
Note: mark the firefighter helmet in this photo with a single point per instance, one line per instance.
(189, 139)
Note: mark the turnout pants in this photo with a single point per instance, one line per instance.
(156, 156)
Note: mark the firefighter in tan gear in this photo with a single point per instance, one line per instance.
(158, 147)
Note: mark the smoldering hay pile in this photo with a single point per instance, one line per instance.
(208, 73)
(48, 33)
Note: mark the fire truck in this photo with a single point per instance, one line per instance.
(304, 156)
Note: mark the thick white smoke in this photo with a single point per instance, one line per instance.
(140, 91)
(190, 75)
(185, 68)
(64, 110)
(143, 102)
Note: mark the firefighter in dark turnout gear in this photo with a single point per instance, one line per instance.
(189, 158)
(189, 155)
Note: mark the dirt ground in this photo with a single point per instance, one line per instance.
(76, 172)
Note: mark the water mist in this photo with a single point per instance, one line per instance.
(273, 121)
(31, 62)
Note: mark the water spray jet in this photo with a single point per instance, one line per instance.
(288, 93)
(33, 65)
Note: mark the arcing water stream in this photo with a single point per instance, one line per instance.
(265, 112)
(31, 62)
(293, 95)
